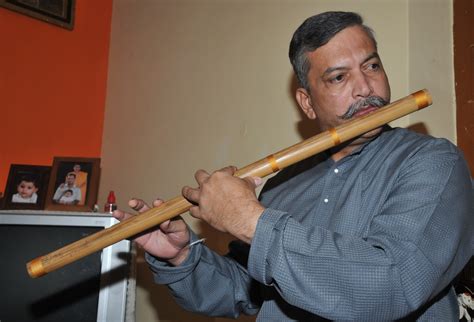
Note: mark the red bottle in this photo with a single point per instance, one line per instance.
(110, 205)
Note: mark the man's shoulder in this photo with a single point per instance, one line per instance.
(401, 138)
(405, 149)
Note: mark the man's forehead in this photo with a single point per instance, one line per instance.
(347, 45)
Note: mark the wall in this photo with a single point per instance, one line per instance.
(52, 86)
(431, 63)
(204, 84)
(192, 84)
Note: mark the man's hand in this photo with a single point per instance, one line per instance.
(168, 242)
(227, 203)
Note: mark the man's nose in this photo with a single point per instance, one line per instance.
(362, 86)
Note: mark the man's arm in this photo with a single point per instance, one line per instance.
(208, 283)
(200, 280)
(59, 192)
(414, 247)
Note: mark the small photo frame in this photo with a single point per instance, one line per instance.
(74, 184)
(57, 12)
(26, 187)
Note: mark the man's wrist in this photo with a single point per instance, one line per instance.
(184, 253)
(180, 258)
(256, 210)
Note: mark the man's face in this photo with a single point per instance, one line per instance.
(344, 71)
(26, 189)
(70, 180)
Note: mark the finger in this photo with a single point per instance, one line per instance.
(254, 181)
(138, 205)
(194, 211)
(171, 226)
(121, 215)
(229, 169)
(164, 226)
(157, 202)
(191, 194)
(201, 176)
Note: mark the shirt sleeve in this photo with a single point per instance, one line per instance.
(207, 283)
(415, 246)
(58, 193)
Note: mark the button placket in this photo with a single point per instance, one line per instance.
(331, 177)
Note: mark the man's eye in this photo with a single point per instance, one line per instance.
(337, 79)
(374, 66)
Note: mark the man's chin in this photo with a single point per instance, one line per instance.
(373, 133)
(368, 136)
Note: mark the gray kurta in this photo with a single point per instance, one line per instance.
(376, 236)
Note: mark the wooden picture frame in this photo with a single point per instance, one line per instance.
(74, 184)
(57, 12)
(27, 187)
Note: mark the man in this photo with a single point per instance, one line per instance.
(373, 230)
(69, 184)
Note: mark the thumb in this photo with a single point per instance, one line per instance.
(254, 181)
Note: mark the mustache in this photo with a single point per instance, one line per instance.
(375, 101)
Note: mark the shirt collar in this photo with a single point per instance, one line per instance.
(364, 147)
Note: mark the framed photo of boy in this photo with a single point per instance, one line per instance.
(26, 187)
(74, 184)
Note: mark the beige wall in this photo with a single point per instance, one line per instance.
(430, 64)
(207, 83)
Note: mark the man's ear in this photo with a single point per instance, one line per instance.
(306, 104)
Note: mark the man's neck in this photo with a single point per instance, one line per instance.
(342, 153)
(347, 148)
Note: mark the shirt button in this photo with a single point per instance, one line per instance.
(326, 200)
(336, 170)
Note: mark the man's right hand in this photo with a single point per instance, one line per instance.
(168, 242)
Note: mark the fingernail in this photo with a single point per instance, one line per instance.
(139, 205)
(258, 181)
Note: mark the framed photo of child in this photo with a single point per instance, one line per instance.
(74, 184)
(26, 187)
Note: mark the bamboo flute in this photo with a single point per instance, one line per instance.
(272, 163)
